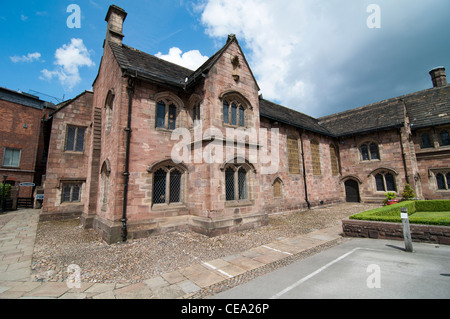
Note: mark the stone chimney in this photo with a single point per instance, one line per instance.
(115, 18)
(438, 77)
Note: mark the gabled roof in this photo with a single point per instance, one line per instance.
(154, 69)
(149, 67)
(62, 105)
(288, 116)
(205, 67)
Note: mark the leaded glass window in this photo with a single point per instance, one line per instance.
(369, 151)
(233, 113)
(385, 182)
(236, 183)
(168, 185)
(159, 186)
(242, 183)
(75, 139)
(229, 184)
(166, 115)
(175, 186)
(71, 193)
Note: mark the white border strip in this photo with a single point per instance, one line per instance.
(283, 252)
(217, 269)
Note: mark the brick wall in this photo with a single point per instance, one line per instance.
(20, 129)
(67, 166)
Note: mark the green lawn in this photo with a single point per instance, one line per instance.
(431, 218)
(431, 212)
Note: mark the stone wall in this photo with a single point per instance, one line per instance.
(394, 231)
(67, 166)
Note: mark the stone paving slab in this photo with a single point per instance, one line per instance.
(18, 233)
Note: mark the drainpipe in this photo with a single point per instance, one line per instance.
(304, 170)
(403, 155)
(126, 174)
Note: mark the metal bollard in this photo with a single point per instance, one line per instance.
(406, 229)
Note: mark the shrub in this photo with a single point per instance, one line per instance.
(389, 196)
(7, 190)
(408, 193)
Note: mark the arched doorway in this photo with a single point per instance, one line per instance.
(352, 191)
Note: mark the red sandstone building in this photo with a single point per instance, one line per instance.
(23, 150)
(111, 157)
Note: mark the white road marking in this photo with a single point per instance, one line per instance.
(298, 283)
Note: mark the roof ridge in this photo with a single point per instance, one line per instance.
(291, 109)
(389, 100)
(155, 57)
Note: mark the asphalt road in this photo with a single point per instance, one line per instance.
(357, 269)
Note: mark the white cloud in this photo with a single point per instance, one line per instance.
(23, 17)
(319, 56)
(192, 59)
(69, 59)
(30, 57)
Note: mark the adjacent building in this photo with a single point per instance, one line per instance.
(23, 140)
(157, 147)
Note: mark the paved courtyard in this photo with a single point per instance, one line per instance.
(62, 260)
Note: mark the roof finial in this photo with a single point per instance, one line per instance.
(231, 37)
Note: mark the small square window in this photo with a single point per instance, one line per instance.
(75, 139)
(11, 157)
(71, 193)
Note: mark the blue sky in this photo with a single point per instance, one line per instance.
(316, 56)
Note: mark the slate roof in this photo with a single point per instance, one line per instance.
(378, 116)
(149, 67)
(425, 108)
(288, 116)
(429, 108)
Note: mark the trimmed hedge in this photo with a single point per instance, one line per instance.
(392, 213)
(433, 206)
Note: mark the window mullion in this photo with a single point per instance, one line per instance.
(168, 187)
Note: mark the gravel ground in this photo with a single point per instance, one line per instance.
(62, 243)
